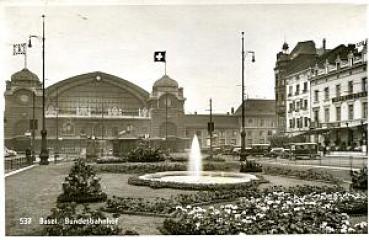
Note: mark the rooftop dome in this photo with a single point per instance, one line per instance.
(166, 81)
(24, 74)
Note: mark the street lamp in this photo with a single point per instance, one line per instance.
(44, 155)
(243, 133)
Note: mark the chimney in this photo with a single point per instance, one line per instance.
(232, 110)
(324, 44)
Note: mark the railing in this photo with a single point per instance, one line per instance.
(16, 162)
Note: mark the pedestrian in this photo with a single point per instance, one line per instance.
(29, 156)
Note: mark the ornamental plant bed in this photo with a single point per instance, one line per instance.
(309, 174)
(268, 213)
(163, 206)
(141, 168)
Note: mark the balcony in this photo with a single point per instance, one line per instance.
(350, 97)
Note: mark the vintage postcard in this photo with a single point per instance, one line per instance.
(184, 118)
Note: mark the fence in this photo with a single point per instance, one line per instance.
(17, 162)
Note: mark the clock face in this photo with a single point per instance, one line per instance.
(24, 98)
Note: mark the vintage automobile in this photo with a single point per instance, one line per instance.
(259, 149)
(304, 150)
(276, 152)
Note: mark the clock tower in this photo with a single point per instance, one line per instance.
(22, 116)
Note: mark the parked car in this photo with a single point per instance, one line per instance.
(237, 151)
(259, 149)
(304, 150)
(9, 152)
(276, 152)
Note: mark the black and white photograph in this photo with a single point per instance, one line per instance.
(157, 117)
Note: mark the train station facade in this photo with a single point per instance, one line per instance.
(106, 108)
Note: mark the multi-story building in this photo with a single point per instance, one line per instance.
(298, 103)
(339, 104)
(289, 65)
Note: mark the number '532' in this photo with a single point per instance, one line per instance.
(25, 220)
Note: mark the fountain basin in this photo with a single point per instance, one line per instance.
(187, 180)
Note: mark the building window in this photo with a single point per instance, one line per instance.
(297, 89)
(290, 90)
(338, 113)
(316, 115)
(250, 120)
(338, 90)
(364, 84)
(305, 104)
(198, 133)
(350, 87)
(261, 133)
(326, 115)
(350, 112)
(269, 132)
(291, 123)
(291, 107)
(326, 94)
(261, 122)
(365, 110)
(306, 122)
(305, 87)
(316, 95)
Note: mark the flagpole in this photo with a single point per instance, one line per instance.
(165, 64)
(25, 56)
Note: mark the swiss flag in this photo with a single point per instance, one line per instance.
(159, 56)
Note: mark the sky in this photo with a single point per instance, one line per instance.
(203, 43)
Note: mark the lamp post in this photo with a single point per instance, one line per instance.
(44, 155)
(243, 133)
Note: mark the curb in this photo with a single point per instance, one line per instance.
(18, 171)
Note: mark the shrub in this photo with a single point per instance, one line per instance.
(250, 166)
(145, 153)
(215, 159)
(81, 185)
(360, 179)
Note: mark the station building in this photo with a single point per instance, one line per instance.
(100, 107)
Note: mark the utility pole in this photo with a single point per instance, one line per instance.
(57, 127)
(243, 133)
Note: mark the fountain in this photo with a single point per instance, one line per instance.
(195, 165)
(195, 178)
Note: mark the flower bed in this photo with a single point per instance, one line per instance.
(140, 168)
(309, 174)
(163, 206)
(269, 213)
